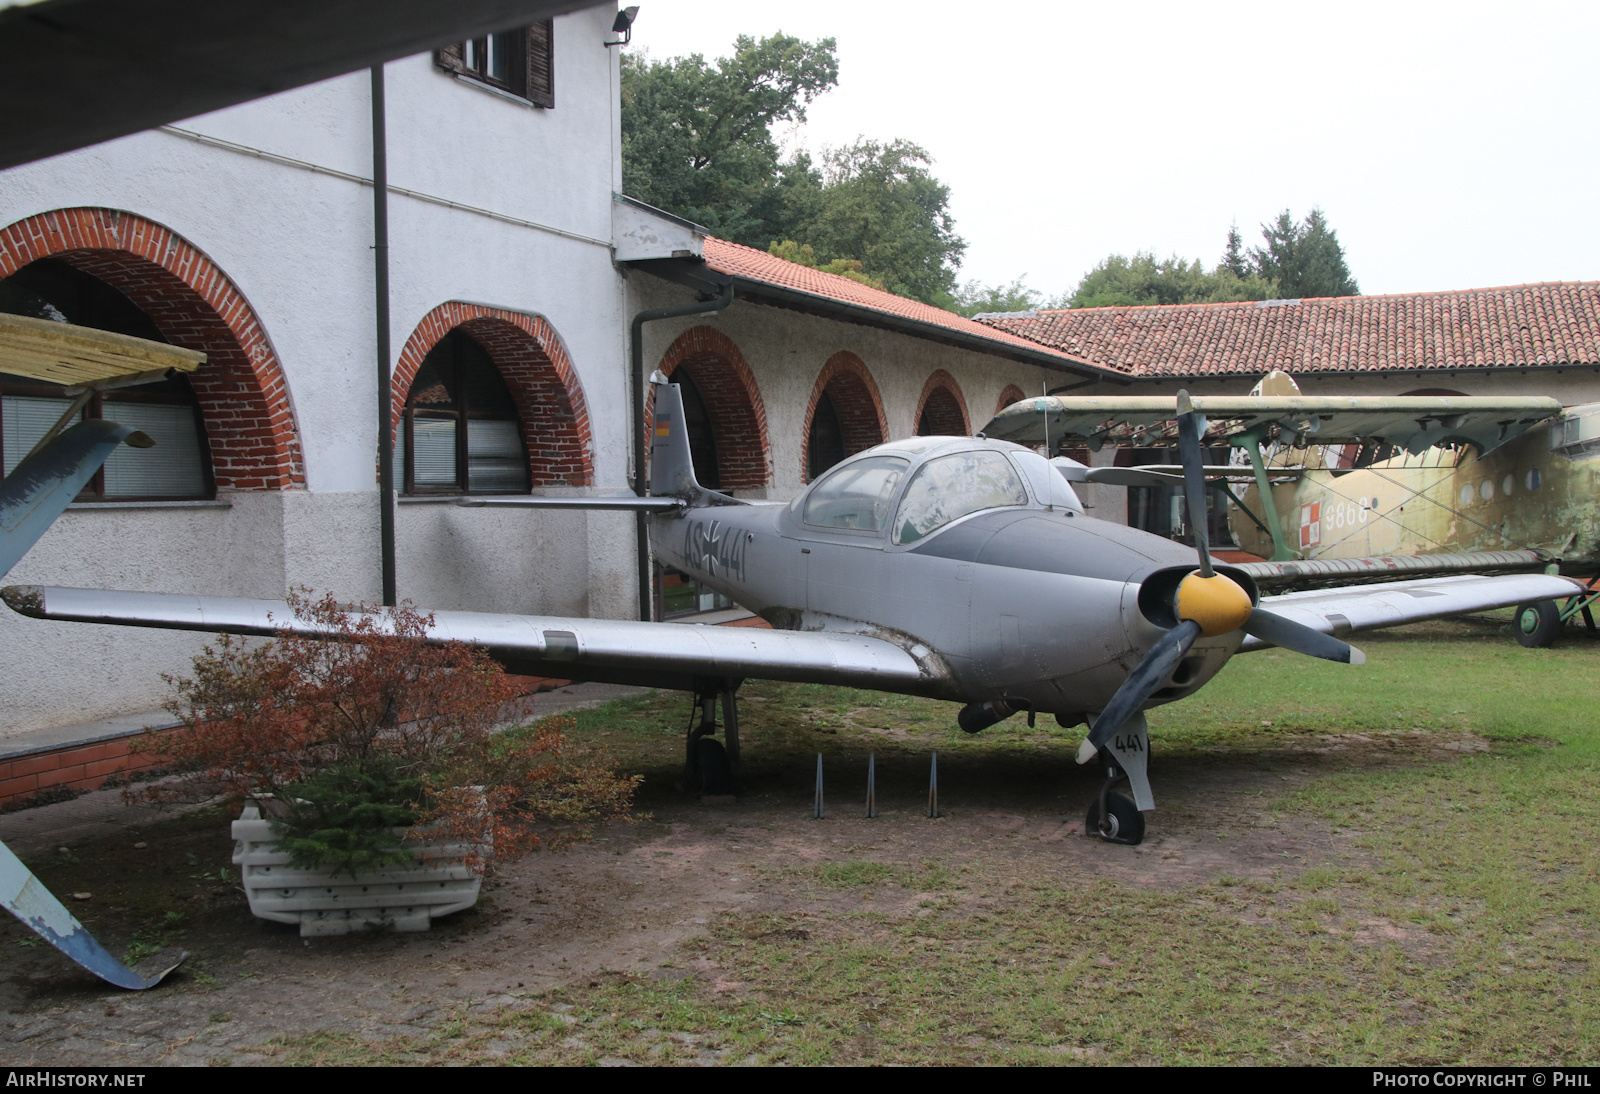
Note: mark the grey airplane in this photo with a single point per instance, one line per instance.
(956, 568)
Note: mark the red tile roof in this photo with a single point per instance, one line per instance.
(1556, 323)
(753, 265)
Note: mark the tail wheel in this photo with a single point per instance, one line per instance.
(1124, 824)
(1538, 623)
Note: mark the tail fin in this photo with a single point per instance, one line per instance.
(671, 463)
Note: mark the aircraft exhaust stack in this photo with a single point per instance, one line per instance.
(979, 716)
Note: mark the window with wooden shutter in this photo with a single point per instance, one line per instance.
(519, 62)
(540, 52)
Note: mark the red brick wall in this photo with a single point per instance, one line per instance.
(243, 395)
(945, 405)
(738, 418)
(539, 374)
(849, 384)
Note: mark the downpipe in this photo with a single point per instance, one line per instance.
(641, 480)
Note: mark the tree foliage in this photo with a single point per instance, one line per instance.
(803, 254)
(697, 137)
(880, 204)
(1297, 259)
(354, 725)
(1145, 279)
(1303, 259)
(697, 141)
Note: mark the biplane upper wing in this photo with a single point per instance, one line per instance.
(1372, 607)
(1411, 422)
(668, 655)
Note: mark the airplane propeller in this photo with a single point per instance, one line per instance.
(1206, 603)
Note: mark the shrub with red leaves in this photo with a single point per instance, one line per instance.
(361, 693)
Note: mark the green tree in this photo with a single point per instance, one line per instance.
(1145, 279)
(1233, 256)
(975, 298)
(879, 203)
(697, 138)
(1303, 259)
(803, 254)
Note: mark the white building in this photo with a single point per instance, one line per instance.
(248, 234)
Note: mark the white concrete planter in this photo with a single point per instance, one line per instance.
(398, 898)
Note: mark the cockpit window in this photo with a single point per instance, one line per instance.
(953, 486)
(857, 495)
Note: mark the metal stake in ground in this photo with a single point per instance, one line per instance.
(817, 811)
(933, 787)
(872, 786)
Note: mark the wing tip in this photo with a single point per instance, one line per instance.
(24, 600)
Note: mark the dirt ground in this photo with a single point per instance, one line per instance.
(626, 901)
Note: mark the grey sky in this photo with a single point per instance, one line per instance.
(1452, 145)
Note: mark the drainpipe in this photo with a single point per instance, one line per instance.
(641, 482)
(380, 269)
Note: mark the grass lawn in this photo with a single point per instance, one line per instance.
(1450, 919)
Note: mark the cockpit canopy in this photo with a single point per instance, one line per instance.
(926, 483)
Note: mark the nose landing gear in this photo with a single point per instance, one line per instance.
(1113, 816)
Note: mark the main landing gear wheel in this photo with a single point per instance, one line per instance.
(1538, 623)
(1124, 822)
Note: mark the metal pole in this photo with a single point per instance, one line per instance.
(380, 267)
(816, 808)
(872, 786)
(641, 482)
(933, 787)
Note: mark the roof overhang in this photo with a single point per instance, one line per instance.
(76, 72)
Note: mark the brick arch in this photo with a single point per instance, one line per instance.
(946, 406)
(717, 367)
(849, 383)
(243, 396)
(1012, 394)
(539, 374)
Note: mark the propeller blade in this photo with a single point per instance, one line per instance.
(1140, 684)
(1191, 426)
(1301, 639)
(40, 488)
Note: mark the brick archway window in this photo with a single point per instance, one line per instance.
(845, 415)
(241, 391)
(517, 374)
(1012, 394)
(178, 468)
(942, 410)
(725, 419)
(460, 431)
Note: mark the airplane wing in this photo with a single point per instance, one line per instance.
(1371, 607)
(667, 655)
(1411, 422)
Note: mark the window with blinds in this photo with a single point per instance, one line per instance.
(519, 62)
(460, 432)
(178, 468)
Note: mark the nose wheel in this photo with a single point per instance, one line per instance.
(1113, 816)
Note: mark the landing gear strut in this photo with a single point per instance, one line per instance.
(1113, 816)
(710, 765)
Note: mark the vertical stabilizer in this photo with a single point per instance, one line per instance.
(671, 463)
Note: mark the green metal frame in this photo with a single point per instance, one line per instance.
(1251, 443)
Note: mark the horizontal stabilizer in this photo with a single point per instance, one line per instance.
(1367, 608)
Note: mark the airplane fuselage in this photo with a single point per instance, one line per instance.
(1035, 601)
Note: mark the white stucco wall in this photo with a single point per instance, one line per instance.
(297, 243)
(786, 351)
